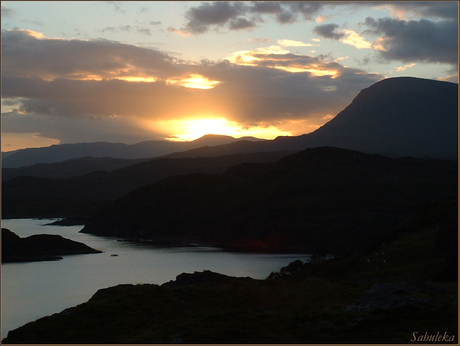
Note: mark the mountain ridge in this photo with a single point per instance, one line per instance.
(142, 150)
(402, 116)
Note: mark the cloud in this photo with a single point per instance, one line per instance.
(27, 53)
(452, 78)
(292, 43)
(81, 129)
(328, 31)
(7, 12)
(100, 85)
(241, 23)
(208, 14)
(405, 67)
(413, 41)
(128, 28)
(116, 4)
(244, 15)
(433, 9)
(346, 36)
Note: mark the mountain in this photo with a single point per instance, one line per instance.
(147, 149)
(320, 199)
(37, 195)
(395, 117)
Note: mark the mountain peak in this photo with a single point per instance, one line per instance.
(402, 116)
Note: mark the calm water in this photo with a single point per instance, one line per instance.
(36, 289)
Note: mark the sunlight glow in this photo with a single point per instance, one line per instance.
(138, 79)
(15, 141)
(195, 81)
(191, 129)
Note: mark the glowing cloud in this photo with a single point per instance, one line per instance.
(194, 81)
(292, 43)
(356, 40)
(283, 60)
(405, 67)
(139, 79)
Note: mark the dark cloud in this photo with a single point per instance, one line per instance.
(233, 14)
(266, 7)
(241, 23)
(207, 14)
(432, 9)
(308, 9)
(25, 55)
(328, 31)
(422, 40)
(7, 12)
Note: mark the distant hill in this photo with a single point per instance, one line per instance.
(322, 199)
(69, 168)
(42, 194)
(147, 149)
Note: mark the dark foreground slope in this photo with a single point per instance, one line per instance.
(342, 300)
(322, 200)
(40, 247)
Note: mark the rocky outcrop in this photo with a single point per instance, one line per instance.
(40, 247)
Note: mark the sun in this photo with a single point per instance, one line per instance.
(191, 129)
(196, 128)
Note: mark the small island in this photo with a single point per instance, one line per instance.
(40, 247)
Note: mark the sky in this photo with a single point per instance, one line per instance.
(132, 71)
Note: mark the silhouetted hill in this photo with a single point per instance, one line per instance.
(321, 199)
(80, 196)
(68, 168)
(147, 149)
(396, 117)
(39, 247)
